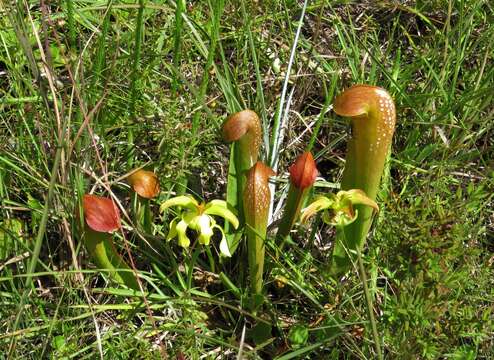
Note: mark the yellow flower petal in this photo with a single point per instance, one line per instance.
(173, 230)
(183, 200)
(357, 197)
(220, 208)
(321, 203)
(224, 249)
(204, 228)
(181, 228)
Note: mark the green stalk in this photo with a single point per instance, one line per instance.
(71, 24)
(99, 60)
(102, 250)
(215, 26)
(369, 304)
(230, 285)
(303, 173)
(142, 213)
(147, 216)
(256, 202)
(190, 270)
(135, 76)
(372, 113)
(39, 241)
(294, 202)
(212, 265)
(177, 42)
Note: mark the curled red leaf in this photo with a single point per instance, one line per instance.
(100, 213)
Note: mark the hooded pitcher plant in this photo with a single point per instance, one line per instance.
(256, 201)
(244, 129)
(303, 174)
(146, 186)
(372, 115)
(101, 219)
(199, 217)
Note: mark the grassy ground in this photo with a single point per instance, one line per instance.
(91, 89)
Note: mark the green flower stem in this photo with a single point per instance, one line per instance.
(312, 235)
(230, 285)
(102, 250)
(303, 174)
(143, 214)
(294, 202)
(193, 260)
(212, 266)
(147, 216)
(369, 305)
(373, 116)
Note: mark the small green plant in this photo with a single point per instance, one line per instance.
(101, 219)
(373, 117)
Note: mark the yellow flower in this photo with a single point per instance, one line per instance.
(342, 212)
(199, 217)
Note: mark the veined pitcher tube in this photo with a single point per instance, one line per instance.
(256, 201)
(244, 128)
(373, 116)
